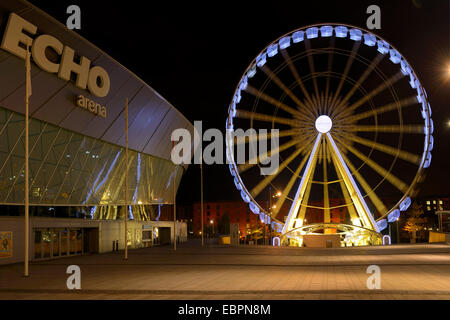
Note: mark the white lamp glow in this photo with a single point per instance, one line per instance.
(323, 124)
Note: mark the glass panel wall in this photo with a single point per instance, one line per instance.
(37, 244)
(73, 241)
(52, 242)
(46, 244)
(64, 242)
(55, 237)
(67, 168)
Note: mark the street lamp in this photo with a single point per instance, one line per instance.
(276, 195)
(398, 232)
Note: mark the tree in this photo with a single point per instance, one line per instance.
(415, 222)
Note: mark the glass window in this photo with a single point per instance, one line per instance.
(129, 238)
(69, 168)
(138, 238)
(37, 244)
(46, 243)
(64, 242)
(55, 236)
(73, 241)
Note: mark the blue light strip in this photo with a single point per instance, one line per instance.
(94, 184)
(109, 171)
(138, 174)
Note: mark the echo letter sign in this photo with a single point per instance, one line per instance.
(16, 38)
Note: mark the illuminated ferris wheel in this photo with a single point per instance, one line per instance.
(355, 133)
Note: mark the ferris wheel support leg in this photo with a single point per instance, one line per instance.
(351, 208)
(309, 170)
(358, 201)
(326, 198)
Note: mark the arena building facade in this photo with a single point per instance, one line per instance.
(77, 142)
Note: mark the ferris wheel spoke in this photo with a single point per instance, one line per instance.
(405, 155)
(356, 196)
(367, 189)
(290, 184)
(263, 183)
(330, 66)
(360, 81)
(302, 188)
(309, 104)
(386, 108)
(412, 129)
(306, 140)
(259, 137)
(312, 69)
(345, 73)
(283, 87)
(396, 182)
(275, 102)
(347, 198)
(371, 94)
(244, 114)
(304, 204)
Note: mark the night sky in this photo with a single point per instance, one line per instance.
(194, 53)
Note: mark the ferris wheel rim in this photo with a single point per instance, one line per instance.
(425, 153)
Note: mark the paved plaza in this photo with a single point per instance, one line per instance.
(407, 272)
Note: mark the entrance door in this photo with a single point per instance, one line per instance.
(90, 240)
(164, 235)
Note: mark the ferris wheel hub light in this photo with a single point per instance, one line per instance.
(324, 124)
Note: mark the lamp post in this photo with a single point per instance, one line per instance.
(212, 223)
(439, 213)
(271, 207)
(201, 201)
(126, 181)
(398, 233)
(269, 211)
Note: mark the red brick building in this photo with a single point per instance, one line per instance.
(238, 212)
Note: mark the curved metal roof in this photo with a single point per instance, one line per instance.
(151, 118)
